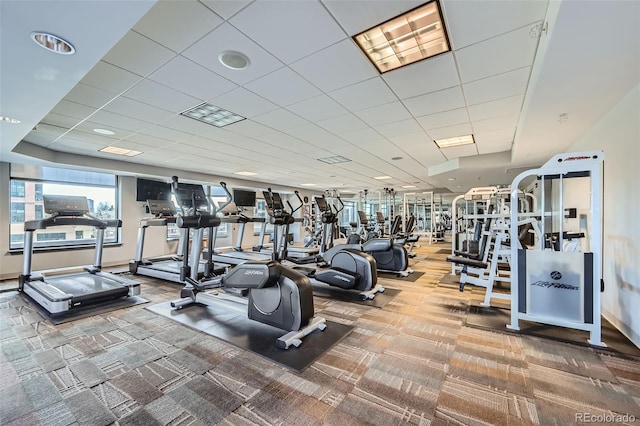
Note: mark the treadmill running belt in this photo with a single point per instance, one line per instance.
(87, 286)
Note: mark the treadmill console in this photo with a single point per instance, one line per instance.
(322, 203)
(65, 205)
(161, 208)
(187, 192)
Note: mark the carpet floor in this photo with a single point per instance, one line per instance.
(413, 361)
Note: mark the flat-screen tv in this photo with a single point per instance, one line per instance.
(244, 198)
(185, 195)
(152, 190)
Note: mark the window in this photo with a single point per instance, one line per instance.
(33, 182)
(17, 189)
(51, 236)
(260, 210)
(38, 191)
(17, 212)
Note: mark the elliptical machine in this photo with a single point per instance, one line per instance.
(389, 257)
(274, 294)
(348, 269)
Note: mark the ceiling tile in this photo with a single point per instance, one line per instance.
(387, 113)
(473, 63)
(431, 103)
(342, 124)
(289, 30)
(177, 24)
(399, 128)
(460, 151)
(356, 16)
(164, 132)
(73, 109)
(188, 77)
(249, 128)
(89, 95)
(447, 118)
(284, 87)
(243, 102)
(110, 78)
(336, 66)
(127, 54)
(205, 52)
(426, 76)
(226, 8)
(498, 86)
(490, 140)
(319, 108)
(58, 121)
(501, 107)
(368, 138)
(450, 131)
(109, 119)
(188, 125)
(147, 142)
(316, 136)
(367, 94)
(285, 141)
(491, 124)
(137, 110)
(88, 127)
(152, 93)
(469, 22)
(280, 119)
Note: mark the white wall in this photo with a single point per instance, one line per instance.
(618, 134)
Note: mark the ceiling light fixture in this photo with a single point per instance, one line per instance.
(308, 184)
(411, 37)
(120, 151)
(104, 131)
(9, 119)
(245, 173)
(382, 177)
(456, 141)
(452, 178)
(334, 160)
(211, 114)
(53, 43)
(408, 186)
(234, 60)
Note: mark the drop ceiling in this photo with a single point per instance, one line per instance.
(309, 92)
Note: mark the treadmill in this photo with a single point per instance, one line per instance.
(56, 291)
(167, 267)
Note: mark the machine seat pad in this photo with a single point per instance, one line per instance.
(467, 262)
(467, 254)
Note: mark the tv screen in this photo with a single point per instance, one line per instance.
(185, 193)
(244, 198)
(152, 190)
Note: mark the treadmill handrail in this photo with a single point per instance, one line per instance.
(32, 225)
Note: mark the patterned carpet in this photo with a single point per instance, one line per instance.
(411, 362)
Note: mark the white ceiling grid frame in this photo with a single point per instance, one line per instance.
(450, 131)
(316, 136)
(110, 78)
(497, 108)
(469, 21)
(383, 114)
(73, 109)
(427, 76)
(495, 123)
(288, 29)
(192, 79)
(136, 110)
(363, 95)
(337, 66)
(356, 16)
(89, 95)
(226, 8)
(342, 124)
(431, 103)
(127, 54)
(488, 57)
(177, 24)
(319, 108)
(399, 128)
(446, 118)
(284, 87)
(243, 102)
(281, 119)
(226, 37)
(503, 85)
(160, 96)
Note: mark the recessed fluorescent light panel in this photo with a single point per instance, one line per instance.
(245, 173)
(212, 114)
(382, 177)
(408, 186)
(120, 151)
(416, 35)
(308, 184)
(104, 131)
(457, 141)
(334, 160)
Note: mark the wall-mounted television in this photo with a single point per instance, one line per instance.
(152, 190)
(244, 198)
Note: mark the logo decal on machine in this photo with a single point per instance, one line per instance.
(341, 278)
(253, 272)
